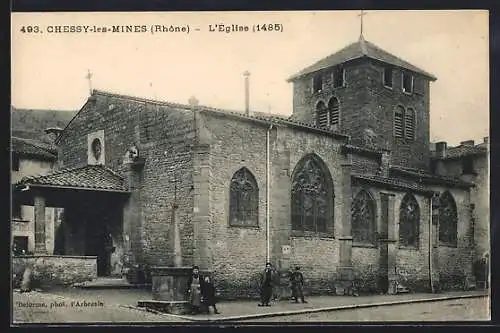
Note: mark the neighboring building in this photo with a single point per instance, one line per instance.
(342, 188)
(469, 162)
(30, 158)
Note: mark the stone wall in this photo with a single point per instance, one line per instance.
(164, 135)
(49, 271)
(366, 103)
(239, 254)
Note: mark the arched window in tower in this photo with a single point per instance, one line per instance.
(409, 221)
(244, 199)
(399, 122)
(363, 218)
(448, 219)
(312, 196)
(334, 111)
(321, 115)
(410, 124)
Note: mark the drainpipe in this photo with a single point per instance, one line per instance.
(430, 245)
(268, 180)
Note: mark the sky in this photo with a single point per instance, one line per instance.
(49, 69)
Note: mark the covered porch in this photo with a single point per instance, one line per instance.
(93, 198)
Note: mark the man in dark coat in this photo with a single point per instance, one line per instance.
(193, 291)
(297, 280)
(208, 293)
(266, 286)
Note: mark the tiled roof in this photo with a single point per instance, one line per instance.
(360, 49)
(425, 176)
(95, 177)
(268, 118)
(393, 182)
(33, 148)
(462, 151)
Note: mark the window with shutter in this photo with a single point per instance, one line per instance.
(321, 115)
(399, 121)
(419, 85)
(333, 109)
(410, 124)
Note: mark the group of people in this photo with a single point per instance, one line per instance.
(268, 281)
(201, 290)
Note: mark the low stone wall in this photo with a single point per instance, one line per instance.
(53, 270)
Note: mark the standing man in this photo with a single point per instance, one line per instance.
(266, 290)
(297, 285)
(194, 290)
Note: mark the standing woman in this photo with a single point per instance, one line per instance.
(194, 290)
(209, 294)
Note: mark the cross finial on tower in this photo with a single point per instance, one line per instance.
(361, 22)
(89, 77)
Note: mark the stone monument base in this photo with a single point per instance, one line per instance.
(173, 307)
(169, 286)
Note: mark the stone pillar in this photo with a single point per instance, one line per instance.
(391, 242)
(132, 247)
(201, 211)
(40, 247)
(345, 274)
(435, 244)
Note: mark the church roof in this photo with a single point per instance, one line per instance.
(360, 49)
(33, 148)
(260, 117)
(428, 178)
(89, 177)
(463, 151)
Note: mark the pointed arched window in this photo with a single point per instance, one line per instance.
(244, 199)
(363, 218)
(409, 221)
(334, 111)
(448, 219)
(312, 196)
(321, 115)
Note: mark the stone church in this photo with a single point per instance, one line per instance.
(342, 188)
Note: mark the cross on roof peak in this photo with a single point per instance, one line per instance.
(363, 13)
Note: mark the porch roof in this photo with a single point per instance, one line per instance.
(89, 177)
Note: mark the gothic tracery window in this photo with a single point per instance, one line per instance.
(448, 219)
(409, 221)
(312, 196)
(244, 199)
(363, 218)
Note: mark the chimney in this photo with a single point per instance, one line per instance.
(247, 92)
(53, 132)
(193, 101)
(486, 139)
(468, 143)
(441, 149)
(432, 146)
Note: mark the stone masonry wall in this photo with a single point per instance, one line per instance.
(366, 103)
(240, 253)
(163, 134)
(49, 271)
